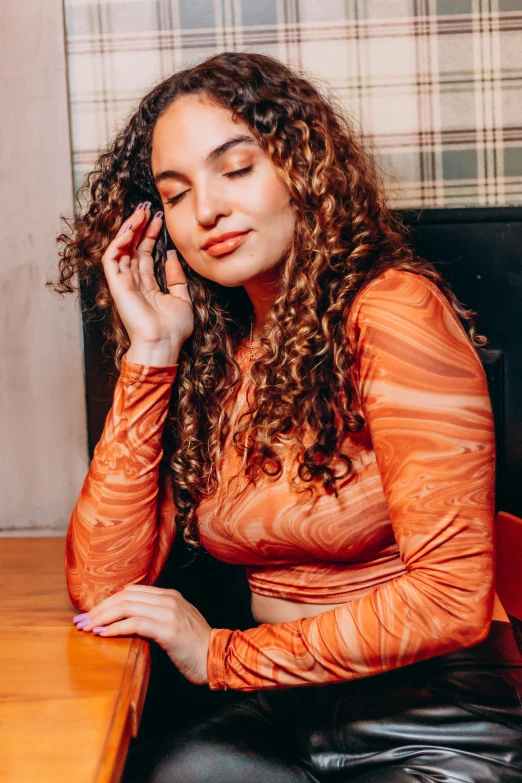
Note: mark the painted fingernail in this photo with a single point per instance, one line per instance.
(171, 254)
(139, 205)
(158, 214)
(146, 204)
(80, 617)
(83, 624)
(99, 628)
(129, 225)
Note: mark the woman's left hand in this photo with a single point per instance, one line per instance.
(162, 615)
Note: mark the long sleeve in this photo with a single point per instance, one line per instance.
(424, 396)
(122, 526)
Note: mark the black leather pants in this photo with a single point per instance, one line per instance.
(454, 718)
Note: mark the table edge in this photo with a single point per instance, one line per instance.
(126, 714)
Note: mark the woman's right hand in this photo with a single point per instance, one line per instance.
(157, 324)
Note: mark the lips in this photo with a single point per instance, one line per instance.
(225, 243)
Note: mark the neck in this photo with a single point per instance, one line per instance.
(262, 294)
(259, 330)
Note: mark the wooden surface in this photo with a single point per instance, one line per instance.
(69, 701)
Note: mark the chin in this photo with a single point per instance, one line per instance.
(237, 274)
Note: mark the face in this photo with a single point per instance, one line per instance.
(215, 182)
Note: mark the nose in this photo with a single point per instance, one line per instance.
(210, 205)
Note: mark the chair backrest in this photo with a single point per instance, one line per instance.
(509, 562)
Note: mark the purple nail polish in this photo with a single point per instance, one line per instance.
(99, 628)
(158, 214)
(80, 617)
(83, 624)
(140, 205)
(129, 225)
(146, 204)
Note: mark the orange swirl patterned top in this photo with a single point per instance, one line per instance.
(408, 546)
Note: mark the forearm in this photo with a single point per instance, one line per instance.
(411, 618)
(113, 531)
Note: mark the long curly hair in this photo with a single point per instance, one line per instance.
(345, 236)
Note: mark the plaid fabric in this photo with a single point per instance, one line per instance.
(434, 85)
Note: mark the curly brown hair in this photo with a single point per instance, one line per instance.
(345, 236)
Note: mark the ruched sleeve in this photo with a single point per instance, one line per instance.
(423, 393)
(122, 526)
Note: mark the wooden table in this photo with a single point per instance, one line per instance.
(69, 701)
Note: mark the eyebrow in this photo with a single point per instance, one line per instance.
(211, 157)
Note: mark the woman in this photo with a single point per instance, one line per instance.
(339, 443)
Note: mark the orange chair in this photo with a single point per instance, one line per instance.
(509, 568)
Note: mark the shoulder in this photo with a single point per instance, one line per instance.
(402, 302)
(398, 286)
(408, 337)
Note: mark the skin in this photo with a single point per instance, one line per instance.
(212, 198)
(205, 197)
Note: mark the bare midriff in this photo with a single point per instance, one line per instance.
(267, 609)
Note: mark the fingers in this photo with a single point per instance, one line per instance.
(122, 252)
(117, 256)
(150, 234)
(155, 609)
(143, 237)
(146, 246)
(143, 626)
(117, 253)
(175, 276)
(138, 215)
(144, 593)
(142, 213)
(136, 218)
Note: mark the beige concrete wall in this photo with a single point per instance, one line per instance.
(43, 438)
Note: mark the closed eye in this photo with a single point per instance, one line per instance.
(239, 172)
(231, 175)
(174, 199)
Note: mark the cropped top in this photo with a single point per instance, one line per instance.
(408, 546)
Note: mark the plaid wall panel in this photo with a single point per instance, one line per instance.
(434, 85)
